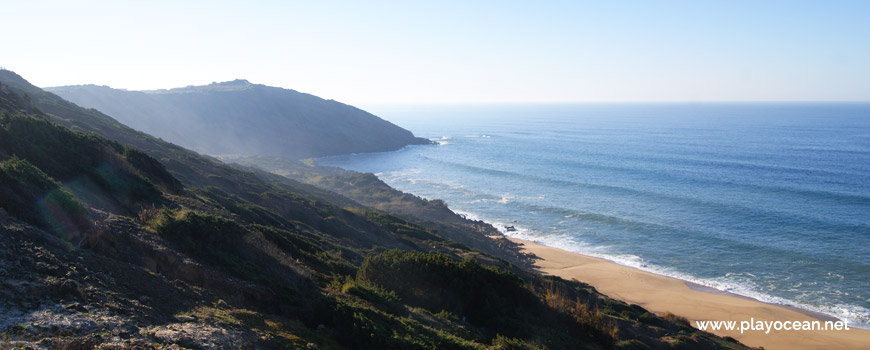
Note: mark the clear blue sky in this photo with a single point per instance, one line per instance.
(366, 52)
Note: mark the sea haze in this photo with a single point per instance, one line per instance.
(766, 200)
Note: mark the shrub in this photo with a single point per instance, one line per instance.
(486, 296)
(401, 227)
(501, 342)
(31, 195)
(67, 155)
(154, 170)
(631, 344)
(209, 237)
(674, 318)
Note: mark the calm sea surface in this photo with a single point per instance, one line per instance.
(770, 201)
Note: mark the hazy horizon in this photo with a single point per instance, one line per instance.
(454, 52)
(435, 175)
(483, 103)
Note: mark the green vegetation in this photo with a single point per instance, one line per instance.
(367, 189)
(487, 296)
(290, 263)
(208, 237)
(316, 252)
(401, 227)
(94, 166)
(30, 194)
(484, 296)
(504, 343)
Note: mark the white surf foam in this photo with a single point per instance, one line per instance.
(856, 316)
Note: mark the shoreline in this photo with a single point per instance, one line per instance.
(660, 294)
(816, 314)
(710, 290)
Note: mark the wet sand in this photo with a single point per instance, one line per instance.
(661, 294)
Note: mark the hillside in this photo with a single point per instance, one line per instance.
(141, 244)
(204, 172)
(241, 118)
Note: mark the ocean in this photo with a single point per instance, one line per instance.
(765, 200)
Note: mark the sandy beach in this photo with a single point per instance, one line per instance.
(661, 294)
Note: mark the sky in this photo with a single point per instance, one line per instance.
(398, 52)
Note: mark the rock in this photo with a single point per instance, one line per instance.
(184, 318)
(128, 332)
(76, 307)
(71, 288)
(47, 269)
(195, 335)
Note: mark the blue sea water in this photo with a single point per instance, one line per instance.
(767, 200)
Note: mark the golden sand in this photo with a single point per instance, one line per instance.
(660, 294)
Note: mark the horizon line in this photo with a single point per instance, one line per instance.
(418, 103)
(614, 102)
